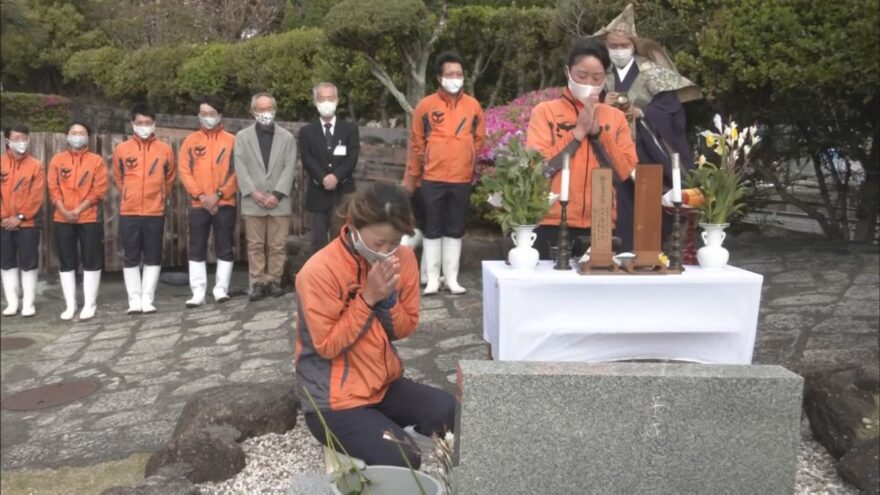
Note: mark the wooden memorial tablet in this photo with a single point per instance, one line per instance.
(601, 222)
(647, 237)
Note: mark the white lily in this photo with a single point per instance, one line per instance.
(495, 199)
(552, 197)
(718, 124)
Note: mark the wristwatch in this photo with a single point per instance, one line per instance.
(21, 216)
(219, 194)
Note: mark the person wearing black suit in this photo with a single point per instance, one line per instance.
(329, 148)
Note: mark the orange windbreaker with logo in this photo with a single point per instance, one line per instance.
(344, 354)
(445, 137)
(204, 165)
(550, 132)
(21, 187)
(143, 171)
(75, 176)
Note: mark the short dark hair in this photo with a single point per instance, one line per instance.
(80, 122)
(21, 128)
(143, 108)
(588, 47)
(212, 101)
(446, 58)
(380, 202)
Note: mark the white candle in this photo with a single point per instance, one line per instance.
(676, 178)
(566, 174)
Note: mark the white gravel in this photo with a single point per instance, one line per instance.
(273, 460)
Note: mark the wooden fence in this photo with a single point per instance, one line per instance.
(382, 158)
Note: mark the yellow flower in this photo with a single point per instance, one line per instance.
(734, 133)
(701, 160)
(710, 140)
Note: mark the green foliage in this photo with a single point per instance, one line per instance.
(208, 72)
(42, 113)
(518, 183)
(375, 22)
(306, 13)
(722, 192)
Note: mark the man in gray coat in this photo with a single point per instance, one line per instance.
(265, 159)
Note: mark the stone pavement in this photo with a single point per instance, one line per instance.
(820, 304)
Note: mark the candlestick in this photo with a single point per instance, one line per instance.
(675, 242)
(563, 248)
(566, 177)
(676, 178)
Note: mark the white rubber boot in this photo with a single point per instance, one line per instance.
(91, 283)
(132, 278)
(149, 281)
(68, 288)
(198, 282)
(28, 292)
(10, 290)
(451, 255)
(431, 249)
(221, 281)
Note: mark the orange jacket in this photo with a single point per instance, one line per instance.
(76, 176)
(143, 171)
(444, 140)
(21, 187)
(344, 355)
(205, 165)
(550, 132)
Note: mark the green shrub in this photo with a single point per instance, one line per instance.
(42, 113)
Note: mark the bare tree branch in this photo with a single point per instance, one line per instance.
(382, 75)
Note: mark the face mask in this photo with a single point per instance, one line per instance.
(327, 108)
(621, 56)
(582, 92)
(209, 122)
(77, 142)
(19, 147)
(452, 86)
(371, 256)
(143, 131)
(265, 118)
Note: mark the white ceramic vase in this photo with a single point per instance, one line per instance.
(712, 255)
(523, 256)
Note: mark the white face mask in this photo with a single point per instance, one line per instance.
(583, 92)
(326, 108)
(620, 56)
(372, 257)
(77, 142)
(452, 86)
(143, 131)
(209, 122)
(19, 147)
(265, 118)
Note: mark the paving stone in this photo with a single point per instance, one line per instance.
(124, 325)
(268, 334)
(861, 292)
(857, 307)
(229, 338)
(125, 419)
(790, 323)
(72, 337)
(407, 353)
(433, 315)
(154, 345)
(43, 368)
(163, 379)
(804, 300)
(208, 351)
(97, 357)
(158, 332)
(460, 341)
(106, 344)
(869, 277)
(431, 303)
(61, 350)
(209, 381)
(206, 313)
(216, 319)
(129, 358)
(847, 324)
(258, 363)
(128, 399)
(267, 324)
(206, 363)
(112, 334)
(158, 322)
(149, 367)
(469, 306)
(450, 325)
(271, 347)
(448, 362)
(214, 328)
(256, 375)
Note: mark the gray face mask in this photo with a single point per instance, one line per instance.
(372, 257)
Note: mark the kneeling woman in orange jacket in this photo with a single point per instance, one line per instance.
(356, 296)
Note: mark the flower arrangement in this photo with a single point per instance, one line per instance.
(722, 184)
(516, 189)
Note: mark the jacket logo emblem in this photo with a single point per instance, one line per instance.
(65, 173)
(200, 151)
(437, 117)
(131, 163)
(563, 127)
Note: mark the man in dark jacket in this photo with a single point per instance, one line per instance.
(329, 149)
